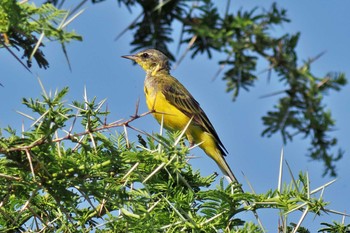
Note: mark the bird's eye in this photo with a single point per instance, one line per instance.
(145, 55)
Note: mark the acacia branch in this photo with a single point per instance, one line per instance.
(69, 135)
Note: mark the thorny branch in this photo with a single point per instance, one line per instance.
(69, 135)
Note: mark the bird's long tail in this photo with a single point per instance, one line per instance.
(212, 149)
(226, 170)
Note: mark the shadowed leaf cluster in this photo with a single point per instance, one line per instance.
(22, 26)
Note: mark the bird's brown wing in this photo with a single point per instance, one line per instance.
(182, 99)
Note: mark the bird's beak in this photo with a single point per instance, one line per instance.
(131, 57)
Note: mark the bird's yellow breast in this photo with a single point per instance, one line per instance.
(173, 118)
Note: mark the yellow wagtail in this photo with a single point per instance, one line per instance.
(173, 104)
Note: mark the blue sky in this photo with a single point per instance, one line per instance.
(96, 64)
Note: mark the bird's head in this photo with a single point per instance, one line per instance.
(151, 60)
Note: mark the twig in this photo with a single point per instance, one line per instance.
(115, 124)
(30, 163)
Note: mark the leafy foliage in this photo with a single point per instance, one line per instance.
(302, 112)
(335, 227)
(22, 23)
(69, 171)
(292, 227)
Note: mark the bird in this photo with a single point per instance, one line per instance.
(174, 106)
